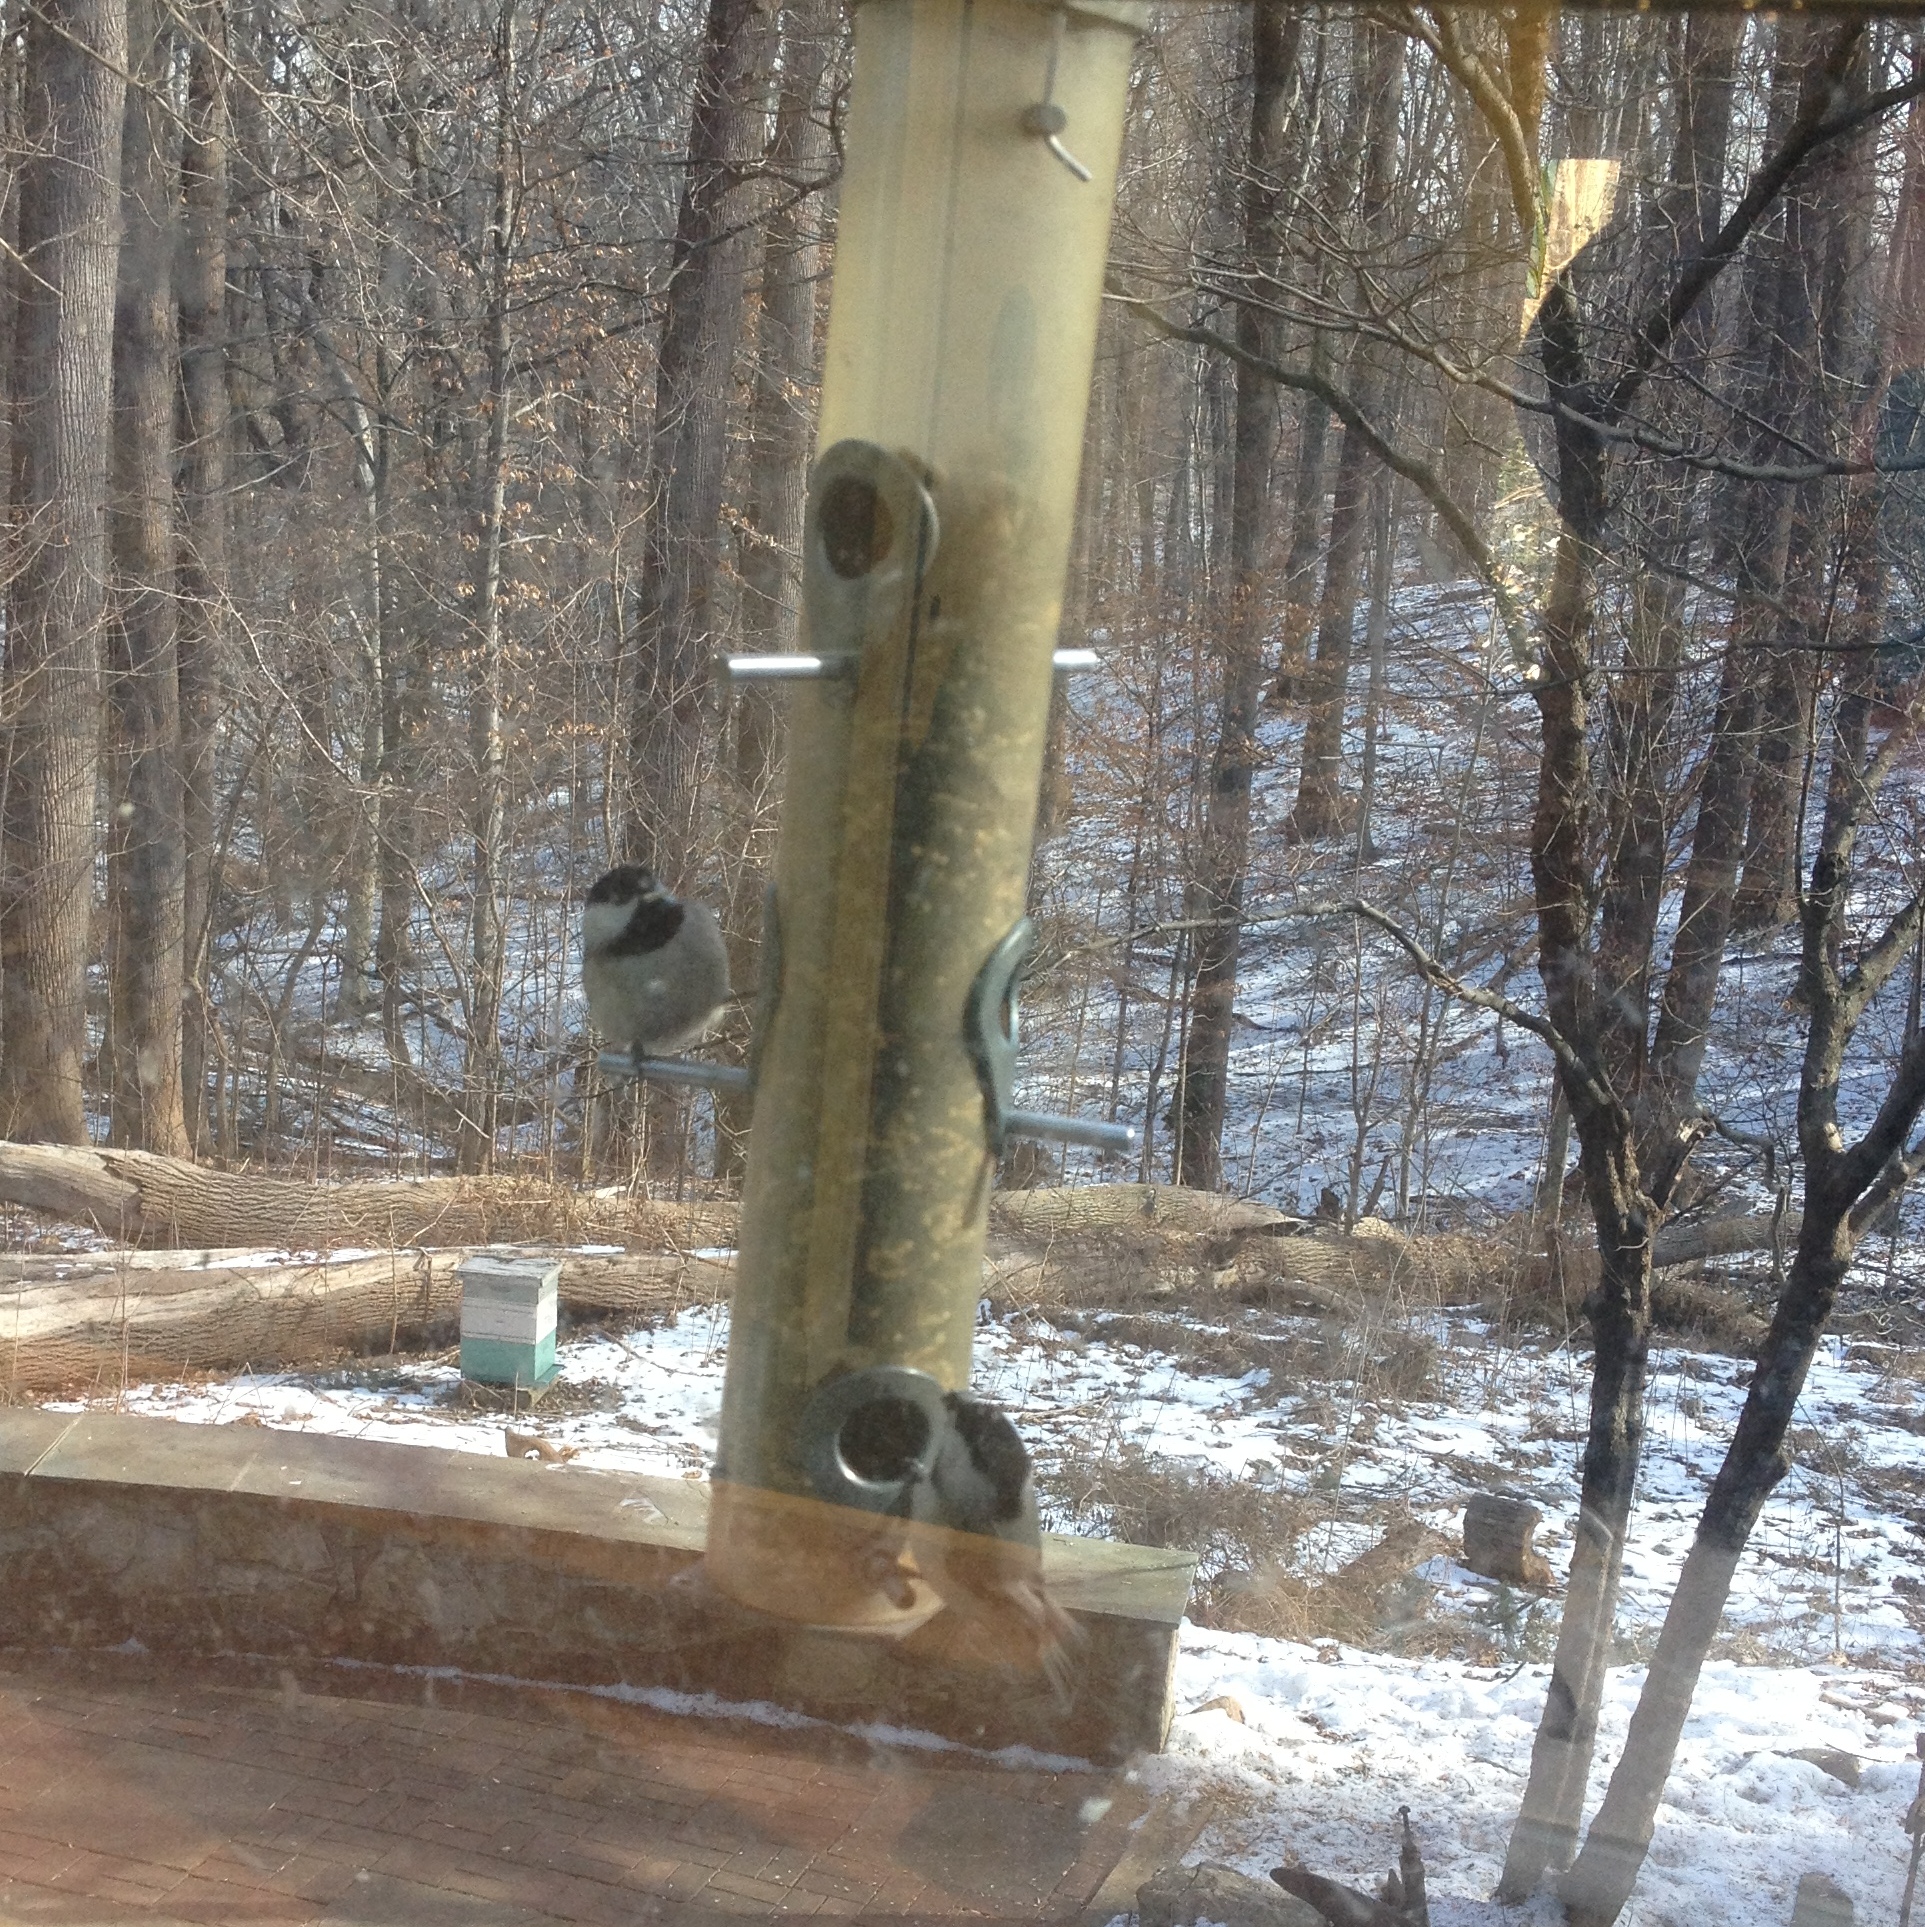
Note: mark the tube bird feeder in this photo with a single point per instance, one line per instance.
(982, 146)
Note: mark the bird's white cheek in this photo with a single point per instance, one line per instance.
(604, 922)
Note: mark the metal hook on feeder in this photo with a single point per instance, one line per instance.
(1046, 120)
(992, 1028)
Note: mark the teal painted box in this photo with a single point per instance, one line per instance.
(508, 1314)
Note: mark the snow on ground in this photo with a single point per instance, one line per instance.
(1329, 1745)
(1332, 1739)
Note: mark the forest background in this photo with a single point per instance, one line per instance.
(1500, 521)
(407, 405)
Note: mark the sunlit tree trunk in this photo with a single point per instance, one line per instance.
(145, 853)
(200, 283)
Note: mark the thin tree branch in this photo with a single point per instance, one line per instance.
(1420, 474)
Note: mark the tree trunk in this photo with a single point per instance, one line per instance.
(399, 679)
(676, 621)
(1777, 347)
(1639, 819)
(1619, 1309)
(1319, 807)
(675, 617)
(139, 1198)
(1766, 894)
(201, 564)
(1625, 1200)
(1828, 227)
(1276, 28)
(99, 1324)
(146, 856)
(1840, 1182)
(1300, 564)
(481, 1061)
(781, 431)
(62, 384)
(1704, 920)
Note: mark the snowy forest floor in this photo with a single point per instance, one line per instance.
(1339, 1663)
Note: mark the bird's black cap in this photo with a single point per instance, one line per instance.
(623, 884)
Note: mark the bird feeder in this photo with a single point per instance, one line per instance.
(982, 145)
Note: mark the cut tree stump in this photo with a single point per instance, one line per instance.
(1821, 1902)
(1497, 1540)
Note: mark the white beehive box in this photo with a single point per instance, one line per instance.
(508, 1314)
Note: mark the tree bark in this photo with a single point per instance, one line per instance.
(140, 1198)
(1704, 920)
(201, 563)
(1776, 355)
(1639, 820)
(76, 56)
(1319, 807)
(1828, 232)
(131, 1315)
(1840, 1181)
(1619, 1309)
(675, 617)
(781, 431)
(146, 855)
(1300, 563)
(481, 1060)
(1276, 28)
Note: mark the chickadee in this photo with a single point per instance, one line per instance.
(655, 968)
(985, 1561)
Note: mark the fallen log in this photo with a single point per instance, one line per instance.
(1160, 1207)
(139, 1198)
(115, 1318)
(1690, 1244)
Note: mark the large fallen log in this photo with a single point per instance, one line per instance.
(139, 1198)
(113, 1318)
(143, 1199)
(1690, 1244)
(1160, 1207)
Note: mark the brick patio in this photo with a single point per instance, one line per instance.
(128, 1793)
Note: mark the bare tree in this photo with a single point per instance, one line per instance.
(146, 852)
(201, 630)
(676, 612)
(62, 380)
(1276, 31)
